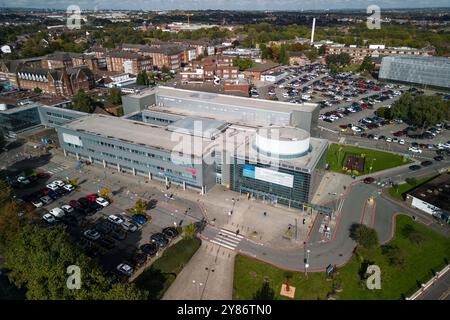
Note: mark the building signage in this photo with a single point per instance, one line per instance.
(263, 174)
(69, 138)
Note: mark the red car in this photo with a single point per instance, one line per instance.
(92, 197)
(369, 180)
(399, 133)
(45, 191)
(75, 204)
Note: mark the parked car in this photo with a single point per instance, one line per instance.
(125, 269)
(69, 187)
(46, 199)
(92, 197)
(426, 163)
(67, 208)
(115, 219)
(37, 202)
(159, 239)
(149, 249)
(102, 201)
(415, 149)
(57, 212)
(107, 243)
(415, 167)
(139, 259)
(49, 218)
(438, 158)
(170, 232)
(52, 186)
(139, 218)
(129, 226)
(91, 234)
(118, 234)
(58, 183)
(75, 204)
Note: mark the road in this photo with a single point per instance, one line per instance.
(440, 290)
(340, 248)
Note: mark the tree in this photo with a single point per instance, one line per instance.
(140, 206)
(284, 56)
(105, 192)
(322, 50)
(421, 110)
(10, 222)
(364, 236)
(243, 63)
(412, 181)
(410, 232)
(394, 254)
(165, 69)
(115, 96)
(38, 259)
(189, 231)
(205, 52)
(142, 78)
(384, 112)
(340, 60)
(37, 90)
(311, 54)
(82, 102)
(367, 64)
(265, 292)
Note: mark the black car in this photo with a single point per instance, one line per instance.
(85, 203)
(106, 243)
(426, 163)
(439, 158)
(95, 206)
(159, 239)
(54, 195)
(415, 167)
(118, 234)
(170, 232)
(149, 249)
(138, 259)
(103, 227)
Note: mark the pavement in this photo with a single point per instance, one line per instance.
(439, 290)
(207, 276)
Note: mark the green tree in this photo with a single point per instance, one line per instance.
(367, 64)
(394, 254)
(37, 90)
(165, 69)
(243, 63)
(82, 102)
(189, 231)
(142, 78)
(284, 56)
(140, 206)
(384, 112)
(364, 236)
(115, 96)
(38, 259)
(322, 50)
(412, 234)
(265, 292)
(205, 52)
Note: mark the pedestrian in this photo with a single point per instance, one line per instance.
(265, 214)
(237, 231)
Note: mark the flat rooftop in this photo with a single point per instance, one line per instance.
(435, 192)
(138, 133)
(215, 98)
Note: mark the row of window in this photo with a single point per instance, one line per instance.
(58, 115)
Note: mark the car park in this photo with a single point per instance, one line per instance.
(401, 141)
(37, 203)
(67, 208)
(91, 234)
(107, 243)
(52, 186)
(125, 269)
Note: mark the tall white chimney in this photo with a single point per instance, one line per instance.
(312, 31)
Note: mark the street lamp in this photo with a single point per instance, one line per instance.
(306, 263)
(371, 164)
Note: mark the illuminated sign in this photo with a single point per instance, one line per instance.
(267, 175)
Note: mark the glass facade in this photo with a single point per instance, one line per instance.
(20, 120)
(294, 196)
(429, 71)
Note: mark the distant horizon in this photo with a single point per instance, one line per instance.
(225, 5)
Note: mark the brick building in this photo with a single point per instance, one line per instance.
(128, 62)
(210, 68)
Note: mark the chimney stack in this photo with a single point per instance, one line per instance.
(312, 31)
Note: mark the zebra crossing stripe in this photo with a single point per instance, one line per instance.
(222, 244)
(231, 233)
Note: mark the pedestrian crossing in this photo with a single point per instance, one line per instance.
(55, 168)
(227, 239)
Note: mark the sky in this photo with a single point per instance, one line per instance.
(224, 4)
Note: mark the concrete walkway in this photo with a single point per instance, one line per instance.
(207, 276)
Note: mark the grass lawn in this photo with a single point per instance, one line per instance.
(397, 192)
(396, 282)
(159, 276)
(380, 160)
